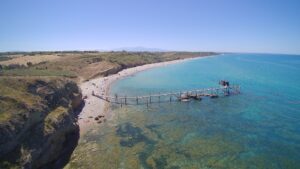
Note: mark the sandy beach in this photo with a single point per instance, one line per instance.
(94, 106)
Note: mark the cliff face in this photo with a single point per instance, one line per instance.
(117, 69)
(40, 131)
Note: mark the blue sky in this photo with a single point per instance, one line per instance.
(271, 26)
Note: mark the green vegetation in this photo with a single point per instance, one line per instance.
(14, 98)
(131, 58)
(56, 113)
(53, 117)
(4, 58)
(36, 72)
(6, 164)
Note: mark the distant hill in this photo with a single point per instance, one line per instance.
(140, 49)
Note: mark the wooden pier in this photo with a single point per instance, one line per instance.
(184, 96)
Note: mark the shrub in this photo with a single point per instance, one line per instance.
(4, 58)
(15, 66)
(94, 60)
(29, 64)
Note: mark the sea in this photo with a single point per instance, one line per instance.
(258, 128)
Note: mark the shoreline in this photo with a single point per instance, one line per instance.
(95, 107)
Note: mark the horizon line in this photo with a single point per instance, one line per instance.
(161, 51)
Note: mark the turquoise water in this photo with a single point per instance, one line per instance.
(260, 128)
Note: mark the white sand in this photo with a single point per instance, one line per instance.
(100, 86)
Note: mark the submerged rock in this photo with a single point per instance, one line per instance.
(131, 135)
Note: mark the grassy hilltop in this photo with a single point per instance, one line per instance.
(82, 65)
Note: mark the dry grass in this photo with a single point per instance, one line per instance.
(22, 60)
(53, 117)
(86, 65)
(95, 69)
(32, 72)
(14, 96)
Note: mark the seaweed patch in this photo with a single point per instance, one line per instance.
(153, 128)
(131, 135)
(161, 162)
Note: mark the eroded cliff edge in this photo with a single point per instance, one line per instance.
(38, 126)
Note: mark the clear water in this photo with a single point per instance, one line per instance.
(258, 129)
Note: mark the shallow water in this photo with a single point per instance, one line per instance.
(257, 129)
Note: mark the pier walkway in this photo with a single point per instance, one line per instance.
(184, 96)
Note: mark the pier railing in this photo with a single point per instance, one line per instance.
(196, 94)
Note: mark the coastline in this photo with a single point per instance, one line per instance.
(100, 86)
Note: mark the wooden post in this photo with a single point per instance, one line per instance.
(137, 100)
(159, 97)
(116, 98)
(147, 103)
(125, 100)
(170, 98)
(150, 98)
(226, 91)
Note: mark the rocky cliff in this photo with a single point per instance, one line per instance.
(38, 123)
